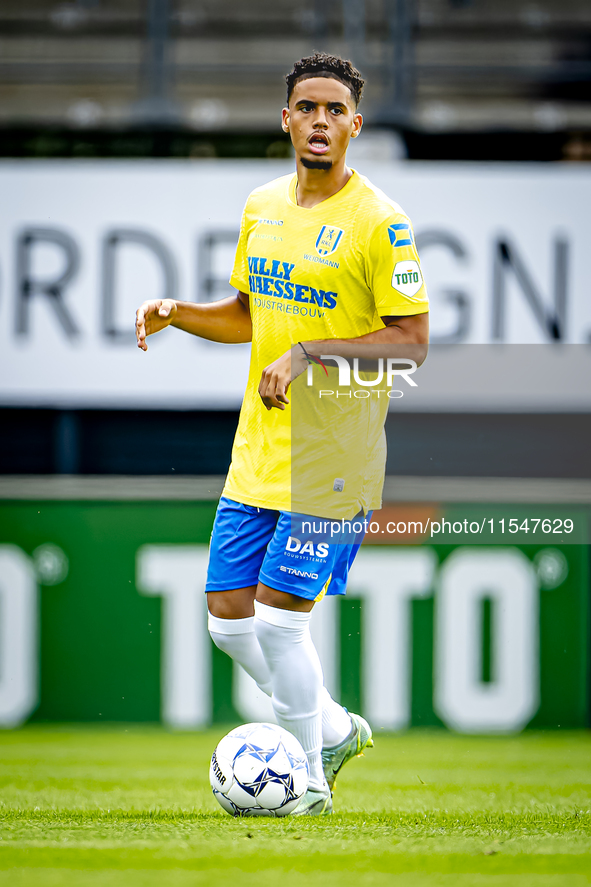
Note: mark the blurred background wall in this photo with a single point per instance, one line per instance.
(130, 135)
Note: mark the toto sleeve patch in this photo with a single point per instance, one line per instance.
(407, 278)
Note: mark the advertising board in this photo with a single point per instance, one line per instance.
(82, 244)
(104, 619)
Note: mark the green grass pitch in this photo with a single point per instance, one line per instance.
(131, 806)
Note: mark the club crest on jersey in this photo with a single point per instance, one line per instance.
(328, 240)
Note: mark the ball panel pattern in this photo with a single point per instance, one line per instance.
(259, 770)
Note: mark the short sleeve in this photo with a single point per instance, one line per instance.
(239, 278)
(393, 269)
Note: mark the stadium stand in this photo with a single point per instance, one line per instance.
(95, 77)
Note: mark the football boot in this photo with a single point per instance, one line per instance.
(333, 759)
(315, 803)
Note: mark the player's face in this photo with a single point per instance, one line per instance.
(321, 119)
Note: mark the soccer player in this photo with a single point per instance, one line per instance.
(325, 264)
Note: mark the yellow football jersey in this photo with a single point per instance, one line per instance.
(329, 272)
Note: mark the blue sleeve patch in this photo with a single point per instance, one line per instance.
(400, 235)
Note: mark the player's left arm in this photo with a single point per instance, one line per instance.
(394, 277)
(402, 336)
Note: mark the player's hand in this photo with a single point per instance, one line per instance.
(277, 377)
(151, 317)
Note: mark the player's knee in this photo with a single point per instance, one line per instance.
(282, 600)
(235, 604)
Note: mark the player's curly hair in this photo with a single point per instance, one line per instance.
(320, 64)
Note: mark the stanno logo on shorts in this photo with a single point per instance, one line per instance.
(302, 573)
(328, 240)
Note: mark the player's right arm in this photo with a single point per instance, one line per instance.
(227, 320)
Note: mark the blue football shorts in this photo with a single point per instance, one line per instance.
(298, 554)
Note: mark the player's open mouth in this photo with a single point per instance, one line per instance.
(318, 143)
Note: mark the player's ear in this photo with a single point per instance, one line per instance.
(357, 124)
(285, 120)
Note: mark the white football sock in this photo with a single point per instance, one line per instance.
(296, 676)
(336, 722)
(237, 638)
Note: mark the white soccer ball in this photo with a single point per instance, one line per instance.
(259, 770)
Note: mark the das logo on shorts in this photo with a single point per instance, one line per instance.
(328, 240)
